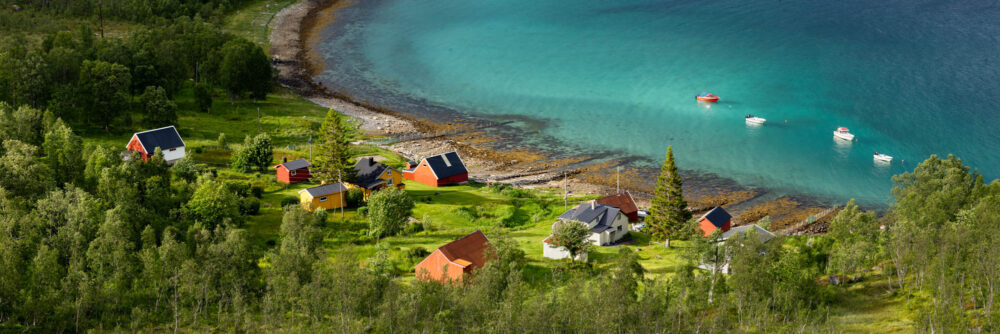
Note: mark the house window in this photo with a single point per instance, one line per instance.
(322, 199)
(173, 149)
(292, 173)
(619, 228)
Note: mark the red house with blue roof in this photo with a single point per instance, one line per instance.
(438, 170)
(715, 219)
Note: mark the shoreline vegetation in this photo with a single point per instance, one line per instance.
(296, 28)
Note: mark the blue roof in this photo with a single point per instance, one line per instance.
(165, 138)
(717, 216)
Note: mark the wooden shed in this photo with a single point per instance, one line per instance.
(715, 219)
(451, 262)
(293, 171)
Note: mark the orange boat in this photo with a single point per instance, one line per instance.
(707, 97)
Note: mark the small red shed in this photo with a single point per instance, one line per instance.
(715, 219)
(439, 170)
(293, 171)
(167, 139)
(451, 262)
(624, 203)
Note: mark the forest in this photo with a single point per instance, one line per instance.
(90, 241)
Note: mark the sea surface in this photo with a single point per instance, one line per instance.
(910, 78)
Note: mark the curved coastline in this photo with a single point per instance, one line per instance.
(292, 38)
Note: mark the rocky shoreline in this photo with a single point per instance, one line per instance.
(293, 31)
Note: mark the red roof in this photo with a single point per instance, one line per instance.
(622, 201)
(841, 129)
(470, 248)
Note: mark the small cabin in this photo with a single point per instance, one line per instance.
(451, 262)
(373, 176)
(715, 219)
(166, 138)
(293, 171)
(439, 170)
(327, 196)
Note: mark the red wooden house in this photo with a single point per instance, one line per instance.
(715, 219)
(624, 203)
(439, 170)
(451, 262)
(293, 171)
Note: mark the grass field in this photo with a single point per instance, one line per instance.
(253, 20)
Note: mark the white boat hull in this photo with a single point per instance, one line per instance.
(844, 136)
(756, 120)
(883, 158)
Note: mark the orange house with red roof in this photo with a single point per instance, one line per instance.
(451, 262)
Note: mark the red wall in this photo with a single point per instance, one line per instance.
(134, 145)
(707, 227)
(286, 177)
(457, 178)
(432, 269)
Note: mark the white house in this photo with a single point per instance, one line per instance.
(555, 252)
(166, 138)
(607, 225)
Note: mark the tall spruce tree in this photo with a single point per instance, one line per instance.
(668, 213)
(334, 153)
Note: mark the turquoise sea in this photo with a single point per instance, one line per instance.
(910, 78)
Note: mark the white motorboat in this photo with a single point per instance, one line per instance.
(879, 157)
(751, 119)
(844, 134)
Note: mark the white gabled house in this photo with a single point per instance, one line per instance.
(607, 225)
(166, 138)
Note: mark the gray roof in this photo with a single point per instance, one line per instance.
(326, 189)
(445, 165)
(764, 235)
(717, 216)
(296, 164)
(369, 172)
(165, 138)
(589, 211)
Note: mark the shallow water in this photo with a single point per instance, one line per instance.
(910, 78)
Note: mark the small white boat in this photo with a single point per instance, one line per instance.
(879, 157)
(844, 134)
(751, 119)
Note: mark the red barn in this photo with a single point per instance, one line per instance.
(715, 219)
(451, 262)
(439, 170)
(166, 138)
(624, 203)
(293, 171)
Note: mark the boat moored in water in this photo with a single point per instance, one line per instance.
(879, 157)
(707, 97)
(843, 133)
(751, 119)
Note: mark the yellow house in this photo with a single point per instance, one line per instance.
(326, 196)
(373, 176)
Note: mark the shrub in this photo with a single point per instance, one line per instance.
(413, 228)
(289, 200)
(363, 211)
(416, 254)
(257, 191)
(355, 197)
(198, 149)
(467, 213)
(250, 206)
(186, 169)
(388, 211)
(240, 188)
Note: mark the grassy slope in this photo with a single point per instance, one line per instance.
(253, 20)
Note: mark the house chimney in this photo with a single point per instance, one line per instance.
(592, 205)
(284, 160)
(371, 161)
